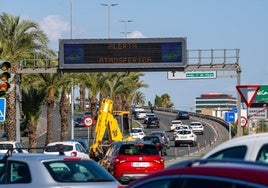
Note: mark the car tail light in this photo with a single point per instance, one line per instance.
(74, 154)
(160, 161)
(119, 160)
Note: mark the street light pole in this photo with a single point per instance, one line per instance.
(126, 22)
(109, 15)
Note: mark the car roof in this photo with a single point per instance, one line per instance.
(8, 142)
(237, 170)
(239, 141)
(64, 143)
(38, 157)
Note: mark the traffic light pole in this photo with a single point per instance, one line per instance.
(18, 106)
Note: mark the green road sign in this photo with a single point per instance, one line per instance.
(262, 94)
(192, 75)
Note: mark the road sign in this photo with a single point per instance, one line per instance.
(248, 93)
(262, 94)
(2, 109)
(122, 54)
(244, 121)
(257, 113)
(178, 75)
(88, 121)
(229, 117)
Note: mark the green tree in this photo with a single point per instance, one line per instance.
(166, 101)
(139, 98)
(18, 40)
(32, 100)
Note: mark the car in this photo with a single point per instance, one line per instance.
(15, 146)
(79, 122)
(134, 159)
(20, 170)
(160, 143)
(137, 133)
(182, 115)
(152, 122)
(147, 116)
(185, 136)
(207, 174)
(163, 135)
(83, 142)
(140, 115)
(197, 127)
(250, 148)
(178, 128)
(173, 124)
(69, 148)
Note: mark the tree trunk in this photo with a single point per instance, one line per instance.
(11, 115)
(82, 98)
(50, 118)
(32, 128)
(64, 109)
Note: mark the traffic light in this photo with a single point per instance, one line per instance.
(5, 77)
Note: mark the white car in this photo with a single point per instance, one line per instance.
(173, 124)
(69, 148)
(36, 170)
(251, 148)
(140, 115)
(197, 127)
(16, 146)
(137, 133)
(185, 136)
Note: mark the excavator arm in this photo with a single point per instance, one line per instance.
(105, 122)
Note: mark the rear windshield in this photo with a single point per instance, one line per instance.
(142, 149)
(59, 147)
(184, 132)
(77, 171)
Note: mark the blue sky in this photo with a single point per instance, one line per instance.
(207, 24)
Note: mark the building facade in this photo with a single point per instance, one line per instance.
(215, 102)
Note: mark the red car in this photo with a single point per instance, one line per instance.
(134, 160)
(207, 174)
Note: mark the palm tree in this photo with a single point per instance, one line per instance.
(139, 98)
(18, 40)
(32, 100)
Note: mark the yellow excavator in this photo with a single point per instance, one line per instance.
(107, 125)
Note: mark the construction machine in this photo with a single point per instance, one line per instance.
(107, 129)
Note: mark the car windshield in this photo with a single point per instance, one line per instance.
(59, 147)
(139, 149)
(77, 171)
(6, 146)
(153, 139)
(136, 130)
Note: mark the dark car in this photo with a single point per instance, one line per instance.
(182, 115)
(160, 143)
(78, 122)
(207, 174)
(129, 160)
(153, 122)
(163, 135)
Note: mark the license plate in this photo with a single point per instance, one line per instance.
(183, 137)
(140, 164)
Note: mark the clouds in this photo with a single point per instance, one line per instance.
(55, 28)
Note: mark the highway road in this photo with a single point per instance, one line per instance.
(210, 134)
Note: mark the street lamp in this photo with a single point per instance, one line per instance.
(109, 6)
(125, 22)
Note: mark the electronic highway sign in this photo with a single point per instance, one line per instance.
(139, 54)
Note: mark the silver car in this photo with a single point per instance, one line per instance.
(21, 170)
